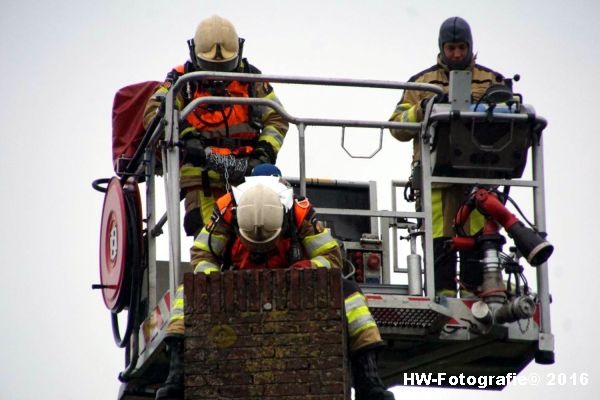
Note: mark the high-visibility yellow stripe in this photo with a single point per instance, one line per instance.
(357, 314)
(412, 114)
(353, 301)
(320, 262)
(268, 110)
(360, 326)
(190, 170)
(402, 107)
(272, 136)
(205, 267)
(446, 292)
(436, 211)
(217, 242)
(319, 243)
(475, 221)
(178, 304)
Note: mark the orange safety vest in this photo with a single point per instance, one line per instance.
(231, 122)
(241, 257)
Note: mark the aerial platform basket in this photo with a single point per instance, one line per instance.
(423, 332)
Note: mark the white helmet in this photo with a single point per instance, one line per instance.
(217, 45)
(260, 217)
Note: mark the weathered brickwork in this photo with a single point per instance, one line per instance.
(265, 335)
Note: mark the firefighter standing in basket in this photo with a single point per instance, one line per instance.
(262, 225)
(222, 143)
(456, 53)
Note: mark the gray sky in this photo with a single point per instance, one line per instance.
(62, 62)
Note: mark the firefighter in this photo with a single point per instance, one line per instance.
(262, 225)
(455, 53)
(222, 143)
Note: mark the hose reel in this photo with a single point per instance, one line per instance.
(121, 252)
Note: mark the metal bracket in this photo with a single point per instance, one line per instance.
(369, 156)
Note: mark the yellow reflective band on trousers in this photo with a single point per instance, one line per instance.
(320, 262)
(446, 201)
(177, 309)
(357, 314)
(188, 170)
(319, 243)
(175, 325)
(436, 211)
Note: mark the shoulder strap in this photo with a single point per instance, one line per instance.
(224, 206)
(302, 210)
(224, 210)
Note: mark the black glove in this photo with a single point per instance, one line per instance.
(237, 169)
(264, 152)
(438, 98)
(252, 162)
(194, 153)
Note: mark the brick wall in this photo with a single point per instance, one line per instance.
(265, 334)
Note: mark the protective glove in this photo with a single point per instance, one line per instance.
(252, 162)
(301, 264)
(237, 169)
(438, 98)
(194, 153)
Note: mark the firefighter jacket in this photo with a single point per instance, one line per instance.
(218, 244)
(409, 107)
(239, 130)
(445, 198)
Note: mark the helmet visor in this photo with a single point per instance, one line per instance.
(219, 51)
(219, 66)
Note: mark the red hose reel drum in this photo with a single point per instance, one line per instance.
(121, 224)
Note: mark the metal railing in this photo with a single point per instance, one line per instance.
(167, 133)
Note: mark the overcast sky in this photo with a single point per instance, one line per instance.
(62, 61)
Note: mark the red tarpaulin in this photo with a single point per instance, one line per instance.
(127, 118)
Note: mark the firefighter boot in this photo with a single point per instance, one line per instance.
(367, 384)
(172, 389)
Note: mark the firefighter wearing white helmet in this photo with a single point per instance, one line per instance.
(262, 225)
(222, 143)
(260, 219)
